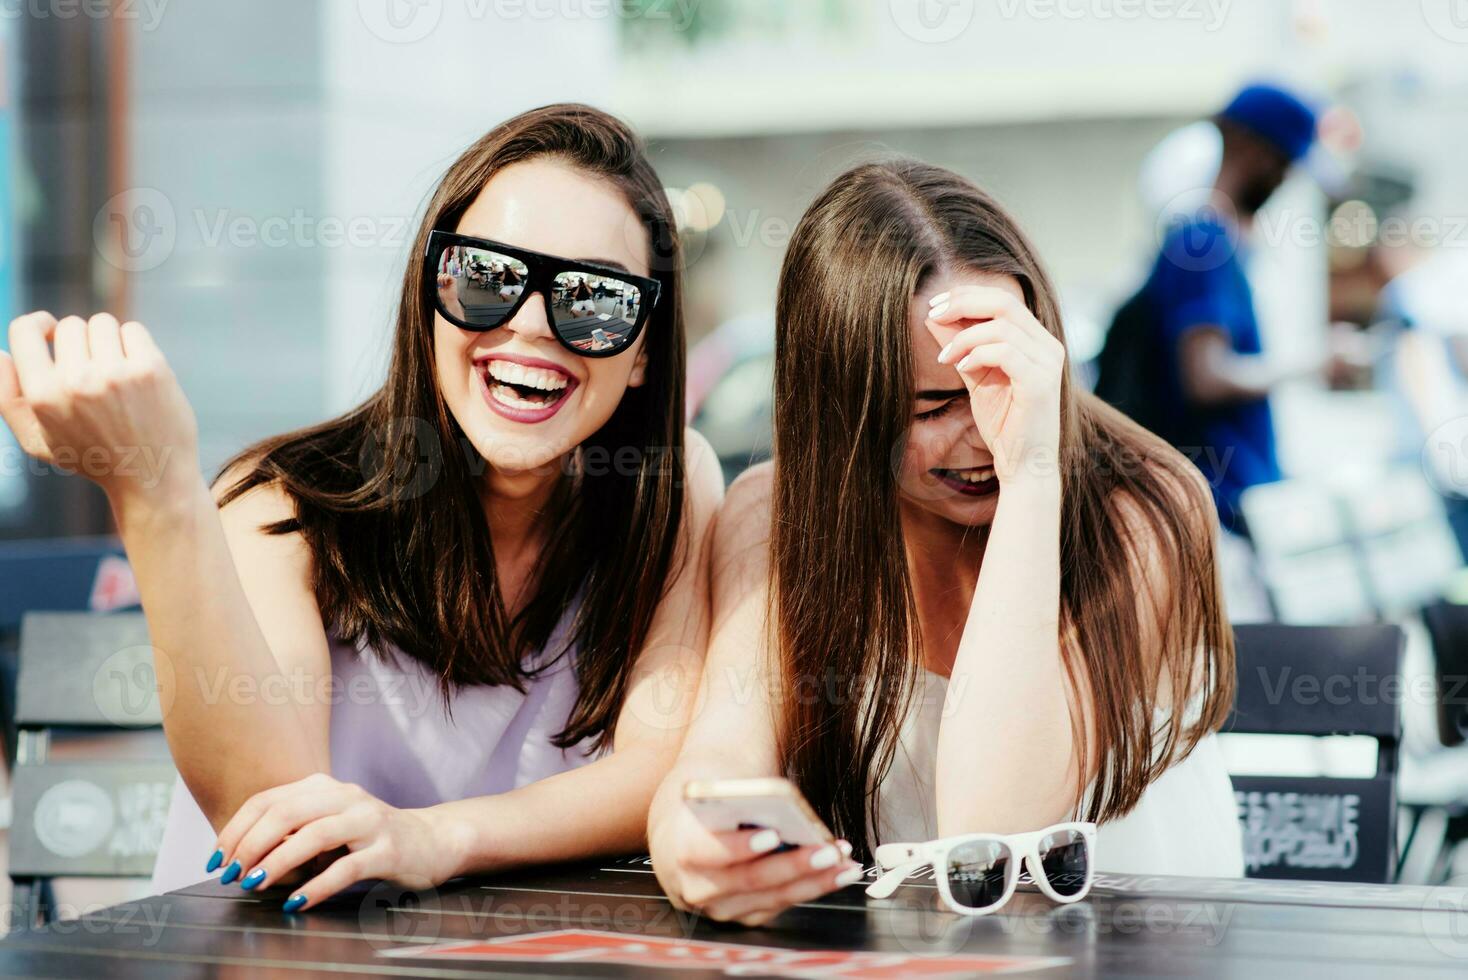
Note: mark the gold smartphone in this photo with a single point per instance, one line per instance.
(749, 804)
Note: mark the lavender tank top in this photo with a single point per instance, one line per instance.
(391, 735)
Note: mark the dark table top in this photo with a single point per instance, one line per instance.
(1130, 926)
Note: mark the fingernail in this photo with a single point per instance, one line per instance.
(294, 902)
(938, 310)
(826, 857)
(850, 876)
(230, 873)
(940, 298)
(943, 354)
(845, 847)
(765, 840)
(961, 365)
(215, 860)
(253, 878)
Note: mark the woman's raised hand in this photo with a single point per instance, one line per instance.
(97, 397)
(1012, 367)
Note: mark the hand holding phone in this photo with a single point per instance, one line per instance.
(748, 804)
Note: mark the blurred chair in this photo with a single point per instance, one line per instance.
(98, 808)
(1319, 681)
(1309, 566)
(55, 573)
(1447, 625)
(1408, 549)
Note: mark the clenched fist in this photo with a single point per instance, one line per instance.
(98, 398)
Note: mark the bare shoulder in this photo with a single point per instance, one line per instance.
(246, 517)
(742, 529)
(702, 475)
(745, 516)
(1182, 493)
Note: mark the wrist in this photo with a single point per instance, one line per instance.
(160, 503)
(455, 839)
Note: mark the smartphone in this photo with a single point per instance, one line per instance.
(756, 804)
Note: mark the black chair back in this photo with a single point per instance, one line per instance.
(1320, 681)
(85, 674)
(1447, 626)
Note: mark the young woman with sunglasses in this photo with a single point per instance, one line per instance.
(966, 598)
(412, 642)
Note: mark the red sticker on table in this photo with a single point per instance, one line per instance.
(735, 959)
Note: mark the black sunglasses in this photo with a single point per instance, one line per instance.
(594, 310)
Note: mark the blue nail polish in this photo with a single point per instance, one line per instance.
(253, 878)
(230, 873)
(215, 860)
(294, 902)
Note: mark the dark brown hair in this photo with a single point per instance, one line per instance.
(387, 496)
(842, 604)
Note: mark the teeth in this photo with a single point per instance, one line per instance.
(974, 476)
(505, 395)
(518, 374)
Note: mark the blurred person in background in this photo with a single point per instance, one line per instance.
(450, 654)
(1184, 356)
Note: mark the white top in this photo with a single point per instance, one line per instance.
(1185, 824)
(391, 735)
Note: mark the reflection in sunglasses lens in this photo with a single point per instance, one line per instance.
(485, 285)
(1066, 859)
(978, 873)
(595, 313)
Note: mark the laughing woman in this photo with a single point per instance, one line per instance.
(411, 642)
(982, 601)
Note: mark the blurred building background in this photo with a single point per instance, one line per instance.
(245, 177)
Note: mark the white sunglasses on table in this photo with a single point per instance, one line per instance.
(977, 873)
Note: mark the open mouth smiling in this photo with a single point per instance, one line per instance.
(523, 389)
(971, 481)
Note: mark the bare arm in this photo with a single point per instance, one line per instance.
(231, 611)
(731, 876)
(107, 394)
(1012, 643)
(1213, 373)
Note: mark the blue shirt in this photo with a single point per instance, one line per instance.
(1198, 280)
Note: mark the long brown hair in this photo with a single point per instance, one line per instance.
(387, 496)
(842, 606)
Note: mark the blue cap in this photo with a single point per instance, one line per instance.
(1280, 118)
